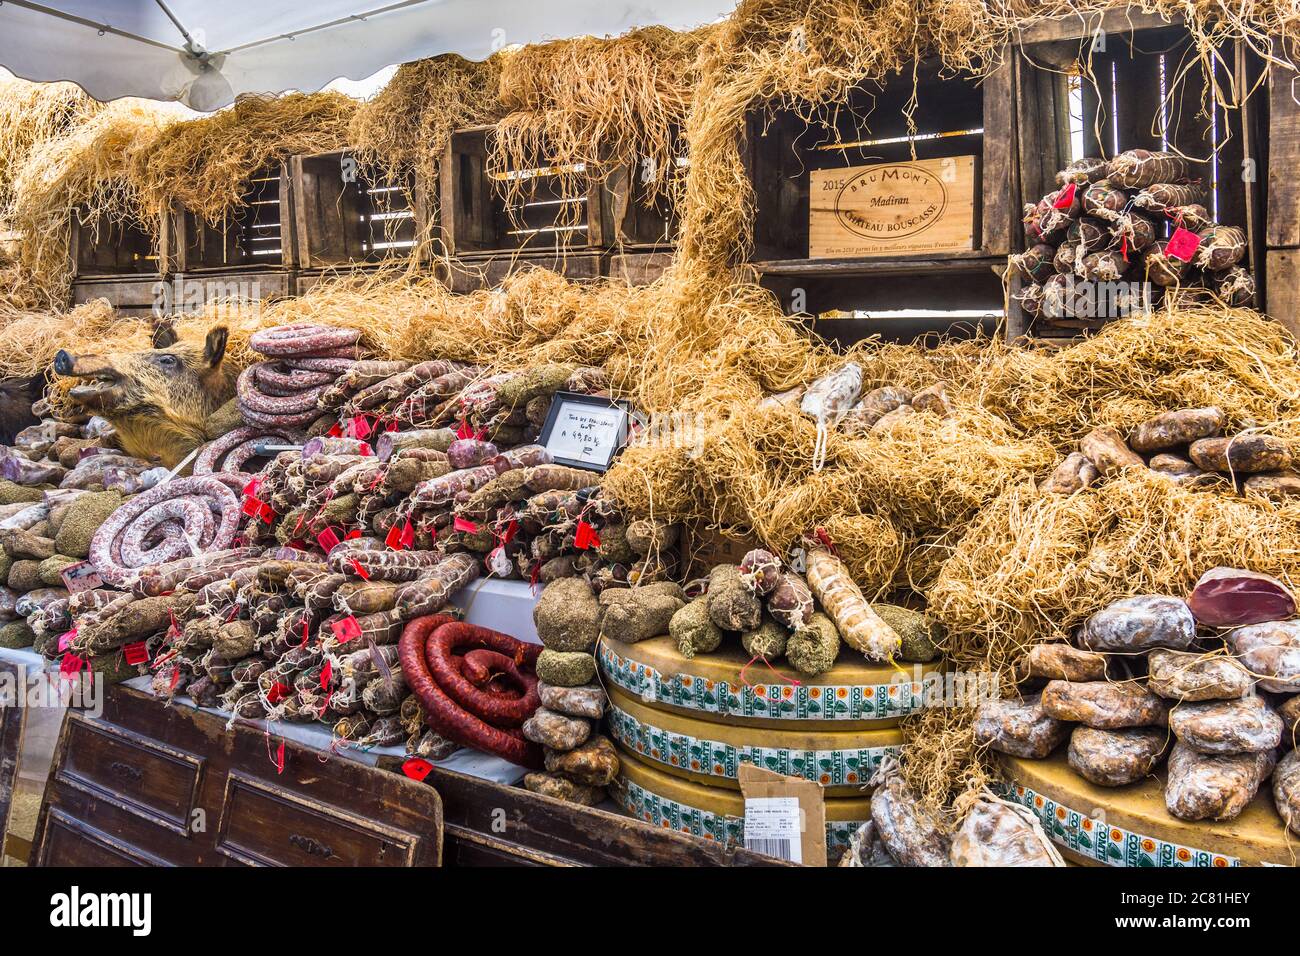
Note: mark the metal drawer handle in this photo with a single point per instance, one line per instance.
(310, 846)
(125, 770)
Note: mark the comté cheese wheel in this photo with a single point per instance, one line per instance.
(1129, 826)
(711, 753)
(714, 813)
(723, 686)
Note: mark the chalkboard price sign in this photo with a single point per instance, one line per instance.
(584, 431)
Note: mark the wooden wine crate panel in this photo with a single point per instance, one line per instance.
(470, 273)
(480, 213)
(887, 210)
(146, 784)
(259, 234)
(343, 216)
(100, 247)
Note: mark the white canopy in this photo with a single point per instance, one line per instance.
(205, 53)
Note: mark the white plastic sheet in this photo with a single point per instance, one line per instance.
(206, 53)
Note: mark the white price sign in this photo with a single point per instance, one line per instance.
(584, 432)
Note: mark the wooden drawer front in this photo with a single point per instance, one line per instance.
(266, 825)
(132, 772)
(69, 842)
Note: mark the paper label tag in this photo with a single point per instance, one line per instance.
(462, 524)
(79, 577)
(65, 640)
(393, 540)
(1065, 198)
(773, 826)
(346, 629)
(328, 540)
(276, 693)
(499, 563)
(135, 653)
(417, 768)
(585, 537)
(336, 431)
(362, 573)
(464, 431)
(360, 426)
(1182, 244)
(70, 664)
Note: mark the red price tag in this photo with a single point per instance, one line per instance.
(408, 534)
(1065, 198)
(461, 524)
(1182, 244)
(360, 427)
(266, 513)
(393, 540)
(391, 426)
(585, 537)
(306, 630)
(336, 431)
(276, 693)
(251, 507)
(298, 544)
(254, 483)
(65, 640)
(464, 431)
(362, 573)
(135, 653)
(417, 768)
(511, 530)
(346, 629)
(326, 673)
(354, 533)
(328, 540)
(70, 665)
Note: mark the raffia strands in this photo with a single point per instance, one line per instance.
(31, 114)
(204, 164)
(606, 103)
(30, 340)
(1033, 566)
(84, 171)
(1174, 358)
(406, 126)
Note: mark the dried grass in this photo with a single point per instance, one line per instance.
(407, 125)
(86, 173)
(604, 103)
(31, 114)
(205, 163)
(30, 339)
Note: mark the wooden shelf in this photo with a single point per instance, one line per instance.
(865, 268)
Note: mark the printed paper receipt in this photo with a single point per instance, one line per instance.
(585, 433)
(773, 826)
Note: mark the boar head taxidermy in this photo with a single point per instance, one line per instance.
(158, 399)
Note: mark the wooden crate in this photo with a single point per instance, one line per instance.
(101, 247)
(260, 234)
(481, 219)
(1133, 57)
(129, 295)
(1279, 143)
(343, 217)
(953, 117)
(145, 784)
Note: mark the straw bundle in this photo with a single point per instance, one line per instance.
(84, 171)
(601, 102)
(406, 125)
(31, 114)
(205, 163)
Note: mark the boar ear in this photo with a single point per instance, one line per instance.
(215, 346)
(164, 334)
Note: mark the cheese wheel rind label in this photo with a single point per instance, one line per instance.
(721, 827)
(772, 701)
(830, 768)
(1106, 842)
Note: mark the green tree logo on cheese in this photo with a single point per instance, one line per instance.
(894, 201)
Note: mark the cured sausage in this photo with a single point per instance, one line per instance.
(443, 714)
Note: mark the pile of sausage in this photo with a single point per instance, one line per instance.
(1188, 447)
(1220, 671)
(1137, 218)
